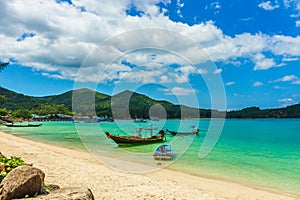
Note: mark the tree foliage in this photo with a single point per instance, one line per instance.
(21, 113)
(3, 112)
(50, 109)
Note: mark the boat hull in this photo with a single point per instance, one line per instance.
(134, 140)
(23, 125)
(183, 133)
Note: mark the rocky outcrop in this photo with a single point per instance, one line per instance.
(22, 181)
(66, 194)
(27, 182)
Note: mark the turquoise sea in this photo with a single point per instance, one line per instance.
(262, 153)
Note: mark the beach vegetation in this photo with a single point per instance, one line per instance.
(10, 164)
(3, 112)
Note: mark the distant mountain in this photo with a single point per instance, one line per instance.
(15, 101)
(66, 98)
(255, 112)
(127, 104)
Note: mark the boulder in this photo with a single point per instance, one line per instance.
(22, 181)
(66, 194)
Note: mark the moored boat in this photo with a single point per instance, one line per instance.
(194, 132)
(136, 139)
(163, 152)
(22, 125)
(140, 120)
(34, 125)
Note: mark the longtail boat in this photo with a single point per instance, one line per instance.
(136, 139)
(22, 125)
(194, 132)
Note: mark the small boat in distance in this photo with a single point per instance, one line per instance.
(194, 132)
(163, 152)
(140, 120)
(154, 119)
(137, 139)
(106, 119)
(22, 125)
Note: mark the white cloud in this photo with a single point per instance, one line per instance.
(248, 43)
(263, 63)
(286, 101)
(294, 7)
(186, 70)
(179, 6)
(287, 78)
(215, 6)
(183, 72)
(218, 71)
(257, 84)
(202, 71)
(284, 45)
(179, 91)
(64, 36)
(288, 59)
(267, 5)
(165, 79)
(296, 82)
(141, 76)
(230, 83)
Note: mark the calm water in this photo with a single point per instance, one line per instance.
(261, 153)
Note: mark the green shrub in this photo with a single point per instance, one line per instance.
(10, 164)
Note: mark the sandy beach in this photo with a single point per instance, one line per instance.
(69, 167)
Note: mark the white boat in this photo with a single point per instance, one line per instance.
(163, 152)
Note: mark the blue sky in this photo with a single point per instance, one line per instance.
(208, 54)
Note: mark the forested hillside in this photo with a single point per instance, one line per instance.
(124, 105)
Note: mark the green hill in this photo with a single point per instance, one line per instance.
(66, 98)
(124, 105)
(255, 112)
(13, 101)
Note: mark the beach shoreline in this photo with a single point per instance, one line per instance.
(75, 167)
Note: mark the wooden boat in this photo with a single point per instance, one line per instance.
(140, 120)
(136, 139)
(22, 125)
(163, 152)
(34, 125)
(194, 132)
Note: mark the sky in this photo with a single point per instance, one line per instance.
(215, 54)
